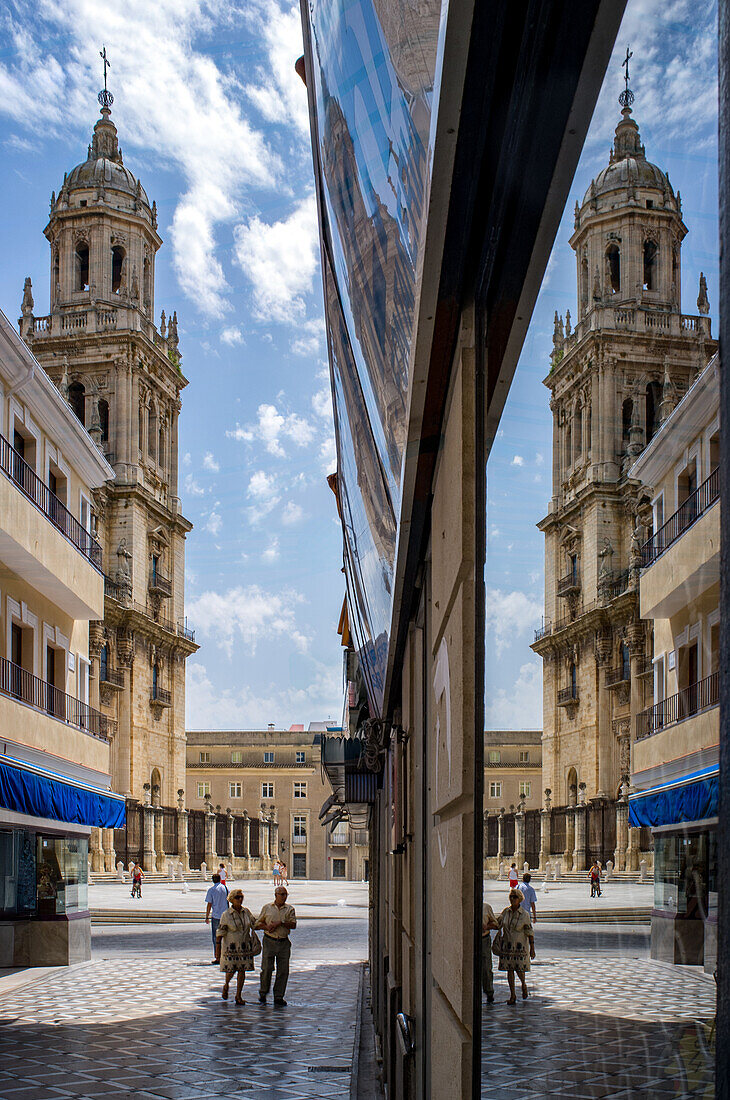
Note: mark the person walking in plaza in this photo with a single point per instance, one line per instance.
(223, 876)
(517, 945)
(489, 924)
(216, 903)
(236, 943)
(277, 919)
(529, 897)
(514, 878)
(137, 876)
(595, 877)
(283, 872)
(277, 872)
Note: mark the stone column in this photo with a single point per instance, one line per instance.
(107, 840)
(273, 835)
(632, 848)
(545, 819)
(569, 832)
(263, 837)
(229, 833)
(246, 840)
(579, 849)
(96, 851)
(159, 839)
(149, 859)
(210, 853)
(519, 853)
(500, 836)
(622, 828)
(183, 851)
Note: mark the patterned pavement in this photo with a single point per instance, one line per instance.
(154, 1027)
(601, 1026)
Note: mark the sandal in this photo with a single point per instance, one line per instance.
(525, 994)
(512, 1001)
(240, 1001)
(224, 994)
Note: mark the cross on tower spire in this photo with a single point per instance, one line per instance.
(105, 97)
(627, 96)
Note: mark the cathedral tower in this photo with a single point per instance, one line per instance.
(122, 376)
(613, 379)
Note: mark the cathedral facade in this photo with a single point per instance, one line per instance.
(121, 373)
(614, 378)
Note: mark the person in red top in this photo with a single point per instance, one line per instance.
(514, 878)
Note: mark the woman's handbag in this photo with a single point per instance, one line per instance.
(497, 944)
(255, 943)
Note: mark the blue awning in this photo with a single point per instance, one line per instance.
(693, 797)
(27, 789)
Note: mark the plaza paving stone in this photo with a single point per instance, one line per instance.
(600, 1026)
(152, 1025)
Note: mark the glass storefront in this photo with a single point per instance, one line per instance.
(684, 873)
(42, 875)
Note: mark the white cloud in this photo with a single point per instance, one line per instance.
(279, 94)
(214, 524)
(510, 615)
(272, 426)
(172, 101)
(210, 462)
(539, 459)
(191, 486)
(322, 399)
(518, 460)
(247, 615)
(292, 514)
(187, 459)
(280, 261)
(271, 553)
(231, 336)
(309, 340)
(328, 453)
(518, 706)
(262, 486)
(209, 706)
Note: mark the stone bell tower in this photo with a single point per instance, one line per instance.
(613, 380)
(122, 376)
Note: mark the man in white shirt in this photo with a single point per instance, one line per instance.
(216, 905)
(529, 897)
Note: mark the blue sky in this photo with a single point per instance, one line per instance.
(213, 119)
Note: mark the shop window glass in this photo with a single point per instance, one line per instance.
(62, 875)
(17, 873)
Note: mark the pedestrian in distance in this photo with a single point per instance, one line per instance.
(489, 924)
(277, 872)
(516, 944)
(283, 872)
(223, 876)
(277, 919)
(216, 903)
(595, 877)
(236, 944)
(514, 878)
(137, 876)
(529, 897)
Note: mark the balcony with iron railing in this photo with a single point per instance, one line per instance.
(619, 675)
(159, 584)
(569, 584)
(17, 683)
(180, 628)
(121, 591)
(360, 836)
(568, 695)
(691, 700)
(339, 838)
(37, 492)
(113, 677)
(696, 504)
(299, 841)
(160, 697)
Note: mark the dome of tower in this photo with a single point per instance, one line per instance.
(628, 167)
(104, 166)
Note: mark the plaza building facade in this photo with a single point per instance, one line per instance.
(121, 374)
(55, 783)
(266, 788)
(674, 775)
(512, 797)
(614, 379)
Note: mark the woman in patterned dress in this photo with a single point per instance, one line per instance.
(234, 943)
(518, 945)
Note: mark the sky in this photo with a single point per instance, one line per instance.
(213, 119)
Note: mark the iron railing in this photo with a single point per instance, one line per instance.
(27, 480)
(18, 683)
(569, 583)
(160, 583)
(567, 695)
(618, 675)
(339, 837)
(676, 708)
(693, 507)
(160, 695)
(111, 676)
(360, 836)
(612, 585)
(645, 664)
(180, 628)
(122, 593)
(298, 841)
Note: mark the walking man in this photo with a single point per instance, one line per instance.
(595, 876)
(137, 876)
(216, 904)
(277, 920)
(529, 897)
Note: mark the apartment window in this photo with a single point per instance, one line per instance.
(525, 789)
(495, 790)
(235, 790)
(494, 756)
(301, 757)
(300, 826)
(338, 868)
(267, 790)
(203, 790)
(205, 758)
(524, 757)
(268, 758)
(300, 790)
(236, 757)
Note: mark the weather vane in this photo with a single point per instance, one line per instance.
(627, 96)
(105, 98)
